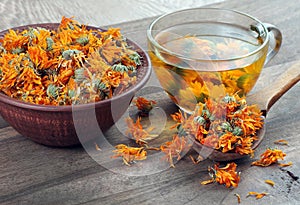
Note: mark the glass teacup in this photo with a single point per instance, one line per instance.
(209, 53)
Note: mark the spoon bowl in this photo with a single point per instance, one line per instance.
(216, 155)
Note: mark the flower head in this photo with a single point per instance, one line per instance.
(226, 175)
(270, 156)
(144, 105)
(130, 154)
(175, 148)
(136, 131)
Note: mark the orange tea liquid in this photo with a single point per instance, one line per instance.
(229, 62)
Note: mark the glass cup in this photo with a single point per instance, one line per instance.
(206, 53)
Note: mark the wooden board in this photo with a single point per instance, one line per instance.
(34, 174)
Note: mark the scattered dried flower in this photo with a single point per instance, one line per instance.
(257, 195)
(130, 154)
(270, 156)
(178, 118)
(175, 148)
(144, 105)
(226, 175)
(228, 126)
(137, 132)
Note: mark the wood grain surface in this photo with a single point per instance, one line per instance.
(34, 174)
(93, 12)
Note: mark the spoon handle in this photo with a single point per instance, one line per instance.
(266, 97)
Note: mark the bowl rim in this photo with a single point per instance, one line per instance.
(68, 108)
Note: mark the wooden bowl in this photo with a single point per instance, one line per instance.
(55, 125)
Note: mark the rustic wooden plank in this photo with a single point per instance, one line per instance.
(35, 174)
(93, 12)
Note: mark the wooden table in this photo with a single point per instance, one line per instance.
(35, 174)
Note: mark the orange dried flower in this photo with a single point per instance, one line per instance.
(257, 195)
(245, 145)
(226, 175)
(137, 132)
(178, 117)
(129, 154)
(69, 65)
(144, 105)
(226, 142)
(270, 156)
(175, 148)
(111, 51)
(229, 125)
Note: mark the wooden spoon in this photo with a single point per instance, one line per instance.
(265, 99)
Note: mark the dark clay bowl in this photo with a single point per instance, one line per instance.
(55, 125)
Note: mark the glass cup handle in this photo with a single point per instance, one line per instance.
(275, 40)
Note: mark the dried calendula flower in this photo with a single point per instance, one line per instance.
(136, 131)
(130, 154)
(226, 175)
(144, 105)
(73, 64)
(175, 148)
(229, 125)
(270, 156)
(177, 117)
(257, 195)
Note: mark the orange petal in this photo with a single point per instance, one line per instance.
(238, 198)
(281, 142)
(270, 182)
(285, 164)
(207, 182)
(97, 147)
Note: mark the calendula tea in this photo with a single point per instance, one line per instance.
(198, 61)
